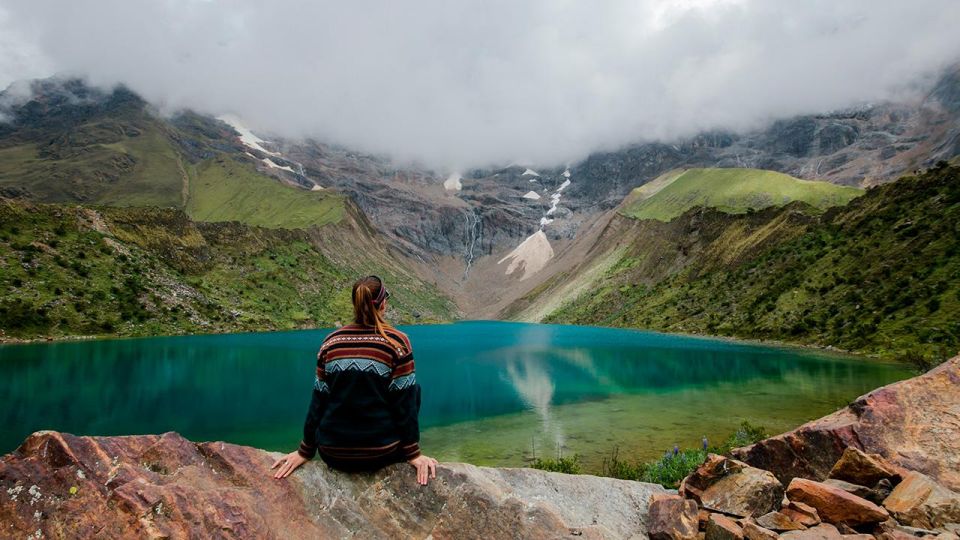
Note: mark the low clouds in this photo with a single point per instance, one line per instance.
(473, 83)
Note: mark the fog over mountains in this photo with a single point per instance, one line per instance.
(477, 84)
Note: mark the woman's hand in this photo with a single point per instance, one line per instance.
(426, 468)
(289, 462)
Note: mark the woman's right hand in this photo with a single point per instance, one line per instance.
(287, 464)
(426, 468)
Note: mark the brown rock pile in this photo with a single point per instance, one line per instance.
(849, 476)
(732, 487)
(736, 501)
(164, 486)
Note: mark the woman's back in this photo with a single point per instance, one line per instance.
(363, 412)
(370, 383)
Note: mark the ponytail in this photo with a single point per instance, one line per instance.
(369, 294)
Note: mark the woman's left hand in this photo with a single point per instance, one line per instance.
(426, 468)
(289, 462)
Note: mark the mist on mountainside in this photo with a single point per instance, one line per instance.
(481, 83)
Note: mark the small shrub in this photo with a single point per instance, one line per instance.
(745, 435)
(561, 464)
(673, 467)
(917, 359)
(614, 467)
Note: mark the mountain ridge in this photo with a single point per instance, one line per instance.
(454, 237)
(877, 276)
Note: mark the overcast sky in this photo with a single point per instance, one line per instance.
(461, 83)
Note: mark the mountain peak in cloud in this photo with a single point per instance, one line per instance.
(477, 83)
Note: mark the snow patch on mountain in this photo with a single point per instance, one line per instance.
(532, 195)
(246, 136)
(530, 172)
(530, 256)
(554, 201)
(269, 162)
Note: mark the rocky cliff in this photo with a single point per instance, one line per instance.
(897, 446)
(164, 486)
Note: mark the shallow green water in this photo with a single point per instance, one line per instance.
(493, 392)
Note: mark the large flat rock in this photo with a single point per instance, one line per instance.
(914, 424)
(164, 486)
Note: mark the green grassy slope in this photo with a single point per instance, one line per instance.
(147, 169)
(224, 189)
(180, 232)
(119, 169)
(69, 270)
(729, 190)
(880, 275)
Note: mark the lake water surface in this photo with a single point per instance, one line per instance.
(493, 392)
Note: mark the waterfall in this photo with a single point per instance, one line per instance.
(475, 236)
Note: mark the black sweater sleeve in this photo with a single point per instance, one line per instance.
(318, 404)
(404, 393)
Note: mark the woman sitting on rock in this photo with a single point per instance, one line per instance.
(363, 415)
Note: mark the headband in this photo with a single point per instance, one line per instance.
(382, 294)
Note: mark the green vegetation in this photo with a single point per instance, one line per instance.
(668, 470)
(180, 233)
(879, 276)
(224, 189)
(68, 270)
(734, 191)
(560, 464)
(100, 162)
(677, 464)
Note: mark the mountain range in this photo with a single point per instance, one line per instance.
(224, 229)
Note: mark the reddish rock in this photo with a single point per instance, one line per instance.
(845, 529)
(824, 531)
(903, 422)
(803, 514)
(721, 527)
(835, 505)
(853, 489)
(703, 516)
(672, 517)
(894, 535)
(918, 501)
(862, 469)
(732, 487)
(752, 531)
(777, 521)
(165, 486)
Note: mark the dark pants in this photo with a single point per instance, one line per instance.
(361, 464)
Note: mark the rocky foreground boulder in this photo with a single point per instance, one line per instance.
(913, 424)
(163, 486)
(865, 456)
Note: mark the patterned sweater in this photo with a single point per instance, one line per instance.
(365, 397)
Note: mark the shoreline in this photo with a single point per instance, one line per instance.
(826, 349)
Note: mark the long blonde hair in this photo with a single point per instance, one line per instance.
(369, 294)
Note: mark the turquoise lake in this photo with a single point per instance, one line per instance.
(494, 393)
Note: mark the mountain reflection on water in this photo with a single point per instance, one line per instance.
(493, 392)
